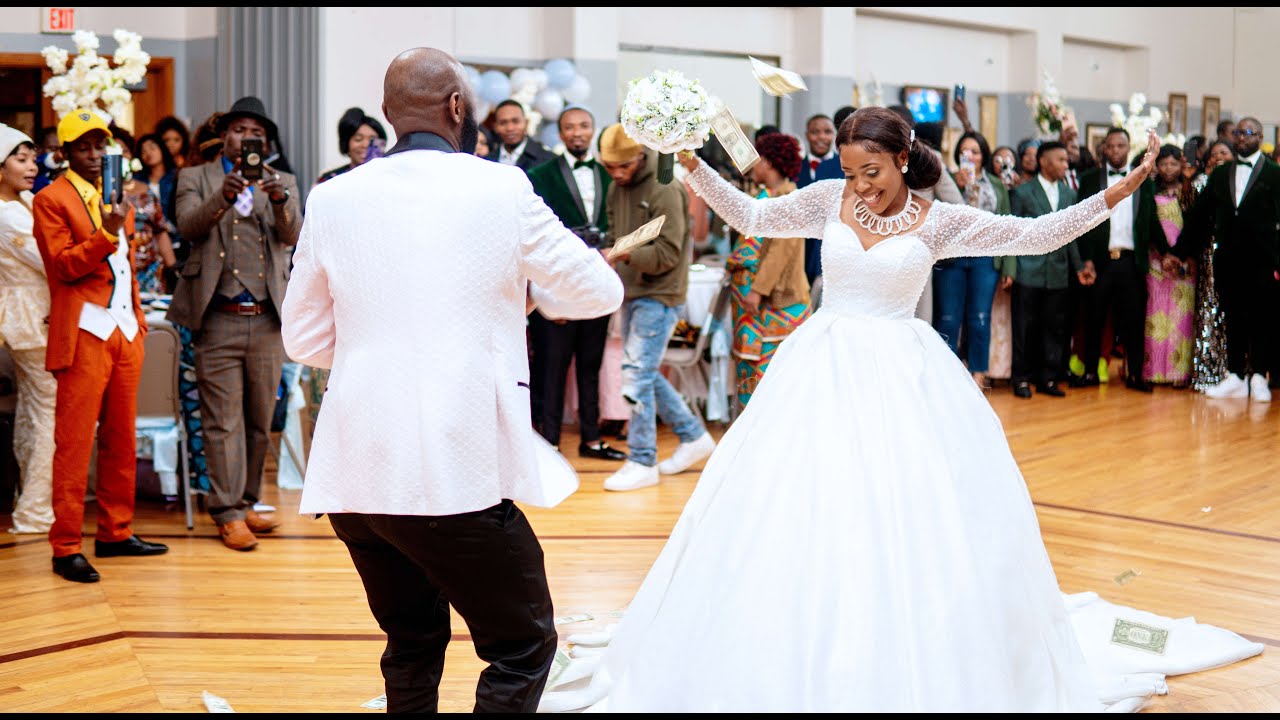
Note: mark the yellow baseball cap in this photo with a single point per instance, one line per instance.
(77, 123)
(618, 147)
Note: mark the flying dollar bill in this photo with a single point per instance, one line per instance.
(734, 141)
(378, 703)
(1139, 636)
(776, 81)
(625, 244)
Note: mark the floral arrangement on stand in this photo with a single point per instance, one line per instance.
(1047, 111)
(1138, 124)
(90, 81)
(543, 92)
(667, 112)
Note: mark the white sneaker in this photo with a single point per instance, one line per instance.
(687, 455)
(1231, 386)
(632, 476)
(1258, 389)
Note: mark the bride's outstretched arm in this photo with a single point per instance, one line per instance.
(802, 213)
(963, 231)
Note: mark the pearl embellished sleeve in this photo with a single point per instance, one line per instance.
(803, 213)
(962, 231)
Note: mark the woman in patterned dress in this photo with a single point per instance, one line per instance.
(1171, 298)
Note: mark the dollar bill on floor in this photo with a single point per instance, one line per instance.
(1139, 637)
(378, 703)
(580, 617)
(640, 236)
(776, 81)
(215, 704)
(734, 141)
(1127, 577)
(558, 665)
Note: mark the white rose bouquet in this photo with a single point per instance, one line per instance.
(1138, 124)
(667, 112)
(91, 81)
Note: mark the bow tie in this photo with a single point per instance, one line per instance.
(588, 163)
(813, 165)
(1245, 163)
(1121, 173)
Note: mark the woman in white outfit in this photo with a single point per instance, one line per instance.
(862, 538)
(24, 305)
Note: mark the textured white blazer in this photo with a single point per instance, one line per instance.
(409, 282)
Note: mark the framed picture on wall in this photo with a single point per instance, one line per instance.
(927, 104)
(989, 114)
(1094, 135)
(1178, 113)
(1210, 116)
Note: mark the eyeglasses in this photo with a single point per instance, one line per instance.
(1245, 133)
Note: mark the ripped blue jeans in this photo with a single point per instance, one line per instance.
(646, 328)
(963, 291)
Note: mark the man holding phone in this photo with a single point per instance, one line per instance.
(241, 217)
(96, 327)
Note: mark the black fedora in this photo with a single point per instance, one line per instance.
(248, 107)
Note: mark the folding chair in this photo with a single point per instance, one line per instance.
(158, 397)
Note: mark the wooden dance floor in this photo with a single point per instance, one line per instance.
(1167, 503)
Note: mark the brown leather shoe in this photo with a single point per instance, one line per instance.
(236, 535)
(260, 523)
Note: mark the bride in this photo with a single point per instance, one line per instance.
(878, 550)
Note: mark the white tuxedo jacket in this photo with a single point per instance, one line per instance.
(409, 282)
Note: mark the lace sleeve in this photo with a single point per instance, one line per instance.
(962, 231)
(803, 213)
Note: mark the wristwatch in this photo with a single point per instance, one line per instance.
(283, 200)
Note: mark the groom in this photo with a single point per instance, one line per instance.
(425, 439)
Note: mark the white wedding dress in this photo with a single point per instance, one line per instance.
(862, 539)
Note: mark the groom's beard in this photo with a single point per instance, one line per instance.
(470, 133)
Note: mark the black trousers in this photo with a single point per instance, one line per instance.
(554, 346)
(1039, 334)
(488, 565)
(1250, 299)
(1122, 290)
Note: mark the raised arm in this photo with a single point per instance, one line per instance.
(803, 213)
(962, 231)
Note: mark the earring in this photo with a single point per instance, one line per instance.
(904, 169)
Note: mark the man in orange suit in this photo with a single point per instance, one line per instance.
(96, 328)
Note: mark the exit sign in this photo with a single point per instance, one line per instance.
(58, 20)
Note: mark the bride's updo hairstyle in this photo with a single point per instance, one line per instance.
(879, 130)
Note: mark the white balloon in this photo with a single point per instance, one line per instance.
(549, 103)
(519, 77)
(539, 77)
(578, 91)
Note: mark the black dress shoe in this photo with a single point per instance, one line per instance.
(132, 547)
(1086, 380)
(1139, 384)
(75, 568)
(1022, 390)
(604, 452)
(1051, 388)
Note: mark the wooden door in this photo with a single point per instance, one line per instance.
(150, 104)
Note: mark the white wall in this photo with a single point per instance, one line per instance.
(902, 52)
(176, 23)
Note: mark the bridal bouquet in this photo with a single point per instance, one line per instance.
(91, 82)
(1047, 110)
(1138, 124)
(667, 112)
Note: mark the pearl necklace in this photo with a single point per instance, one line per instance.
(880, 225)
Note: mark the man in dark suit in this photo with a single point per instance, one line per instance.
(242, 232)
(1040, 281)
(574, 186)
(1117, 251)
(828, 169)
(514, 146)
(1240, 209)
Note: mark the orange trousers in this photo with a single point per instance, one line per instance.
(99, 389)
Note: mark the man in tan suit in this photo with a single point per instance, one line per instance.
(229, 294)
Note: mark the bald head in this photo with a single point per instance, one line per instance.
(426, 90)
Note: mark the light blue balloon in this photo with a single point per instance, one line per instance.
(560, 73)
(549, 136)
(495, 86)
(473, 76)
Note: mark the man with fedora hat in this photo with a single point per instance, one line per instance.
(96, 327)
(229, 293)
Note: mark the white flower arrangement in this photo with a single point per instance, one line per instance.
(1047, 110)
(1138, 124)
(91, 81)
(667, 112)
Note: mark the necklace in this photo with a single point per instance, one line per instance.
(880, 225)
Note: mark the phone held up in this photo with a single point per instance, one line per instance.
(959, 93)
(251, 161)
(113, 179)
